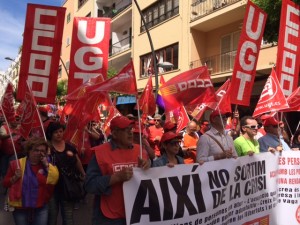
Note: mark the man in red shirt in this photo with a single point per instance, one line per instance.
(155, 133)
(112, 165)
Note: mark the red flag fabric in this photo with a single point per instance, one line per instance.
(244, 70)
(191, 87)
(29, 116)
(288, 57)
(7, 103)
(113, 112)
(182, 119)
(41, 52)
(224, 104)
(89, 50)
(293, 101)
(147, 100)
(223, 95)
(81, 90)
(124, 82)
(272, 98)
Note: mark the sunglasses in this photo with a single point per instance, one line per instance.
(156, 120)
(253, 126)
(173, 143)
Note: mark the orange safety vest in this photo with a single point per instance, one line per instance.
(111, 161)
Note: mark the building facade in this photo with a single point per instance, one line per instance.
(186, 33)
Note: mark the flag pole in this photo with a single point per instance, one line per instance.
(10, 135)
(140, 129)
(38, 113)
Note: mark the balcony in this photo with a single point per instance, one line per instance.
(120, 46)
(202, 8)
(224, 63)
(218, 63)
(113, 11)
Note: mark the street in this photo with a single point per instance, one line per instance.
(81, 216)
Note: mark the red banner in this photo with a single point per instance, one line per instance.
(293, 101)
(41, 52)
(29, 116)
(8, 103)
(288, 55)
(89, 52)
(147, 100)
(271, 98)
(247, 54)
(190, 87)
(124, 82)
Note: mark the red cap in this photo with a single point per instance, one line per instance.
(169, 125)
(270, 121)
(265, 116)
(170, 136)
(216, 113)
(120, 122)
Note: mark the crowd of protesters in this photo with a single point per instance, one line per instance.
(35, 180)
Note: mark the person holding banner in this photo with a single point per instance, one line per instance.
(215, 144)
(169, 147)
(272, 141)
(109, 168)
(246, 143)
(296, 141)
(31, 182)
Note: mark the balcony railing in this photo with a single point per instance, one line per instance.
(120, 46)
(160, 18)
(218, 63)
(202, 8)
(111, 12)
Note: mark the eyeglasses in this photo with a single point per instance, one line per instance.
(39, 150)
(157, 120)
(253, 126)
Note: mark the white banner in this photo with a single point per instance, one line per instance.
(262, 189)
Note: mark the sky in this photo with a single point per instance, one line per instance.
(12, 21)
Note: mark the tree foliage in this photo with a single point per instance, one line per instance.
(273, 9)
(61, 90)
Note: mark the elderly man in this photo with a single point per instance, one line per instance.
(109, 168)
(272, 141)
(155, 133)
(215, 144)
(189, 142)
(246, 144)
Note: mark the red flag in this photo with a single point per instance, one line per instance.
(288, 57)
(223, 97)
(191, 87)
(89, 50)
(124, 82)
(29, 116)
(113, 112)
(244, 70)
(293, 101)
(147, 100)
(271, 98)
(81, 90)
(8, 103)
(182, 119)
(41, 51)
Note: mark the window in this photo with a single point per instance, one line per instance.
(229, 44)
(167, 54)
(68, 41)
(68, 17)
(59, 72)
(81, 3)
(159, 12)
